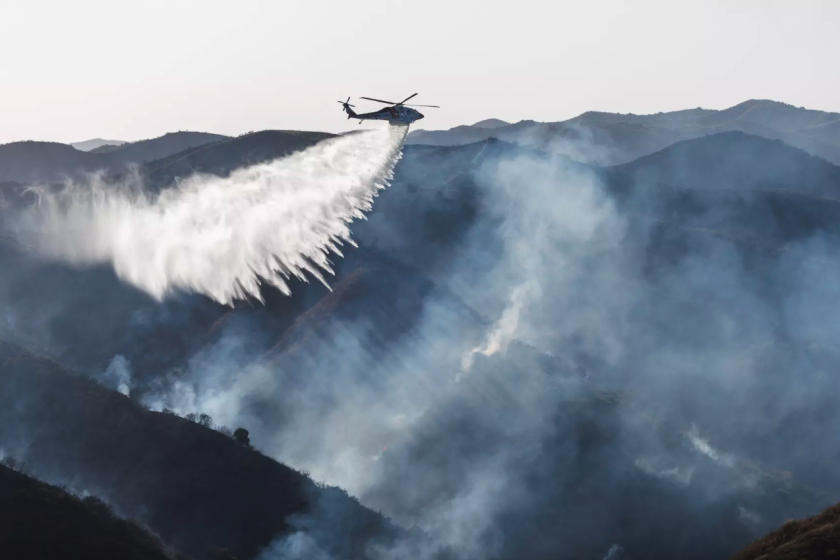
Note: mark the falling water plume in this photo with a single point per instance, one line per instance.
(222, 237)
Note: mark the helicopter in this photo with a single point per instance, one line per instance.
(397, 113)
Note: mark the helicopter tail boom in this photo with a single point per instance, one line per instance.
(347, 108)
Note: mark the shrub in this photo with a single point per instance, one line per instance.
(205, 420)
(242, 437)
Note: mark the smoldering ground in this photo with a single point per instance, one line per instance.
(646, 364)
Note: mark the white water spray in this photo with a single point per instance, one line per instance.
(222, 236)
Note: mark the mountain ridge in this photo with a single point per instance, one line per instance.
(50, 162)
(603, 138)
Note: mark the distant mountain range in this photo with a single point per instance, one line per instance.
(45, 162)
(97, 144)
(610, 138)
(595, 138)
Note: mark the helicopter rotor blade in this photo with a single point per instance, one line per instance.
(406, 99)
(435, 106)
(379, 100)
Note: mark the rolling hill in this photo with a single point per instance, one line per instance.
(47, 162)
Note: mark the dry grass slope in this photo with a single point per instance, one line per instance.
(814, 538)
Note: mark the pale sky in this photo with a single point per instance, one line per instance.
(128, 70)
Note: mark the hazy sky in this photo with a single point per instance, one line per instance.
(130, 70)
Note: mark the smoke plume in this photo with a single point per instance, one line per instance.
(117, 376)
(570, 417)
(527, 358)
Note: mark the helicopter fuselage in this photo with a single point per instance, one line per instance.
(396, 114)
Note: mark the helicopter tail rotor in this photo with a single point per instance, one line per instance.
(347, 108)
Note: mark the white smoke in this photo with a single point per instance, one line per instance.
(703, 446)
(748, 517)
(614, 553)
(555, 221)
(504, 330)
(118, 375)
(221, 237)
(680, 476)
(298, 546)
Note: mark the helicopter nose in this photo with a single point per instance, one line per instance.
(419, 116)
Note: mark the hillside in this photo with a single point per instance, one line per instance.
(42, 162)
(170, 143)
(222, 157)
(610, 139)
(666, 498)
(691, 320)
(194, 486)
(816, 537)
(46, 162)
(45, 522)
(751, 215)
(428, 219)
(736, 161)
(457, 136)
(421, 222)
